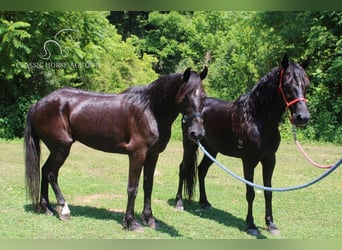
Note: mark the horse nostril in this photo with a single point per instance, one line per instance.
(196, 136)
(193, 135)
(301, 120)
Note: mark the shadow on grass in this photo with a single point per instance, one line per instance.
(215, 214)
(104, 214)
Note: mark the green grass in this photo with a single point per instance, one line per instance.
(94, 185)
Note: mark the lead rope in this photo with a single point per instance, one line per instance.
(325, 174)
(294, 134)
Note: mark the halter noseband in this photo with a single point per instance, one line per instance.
(186, 118)
(280, 88)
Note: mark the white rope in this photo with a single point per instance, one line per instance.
(325, 174)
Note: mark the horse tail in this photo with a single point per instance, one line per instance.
(189, 169)
(32, 161)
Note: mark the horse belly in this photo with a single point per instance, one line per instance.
(102, 128)
(219, 135)
(223, 142)
(105, 144)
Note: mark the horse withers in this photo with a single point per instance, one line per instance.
(136, 122)
(248, 129)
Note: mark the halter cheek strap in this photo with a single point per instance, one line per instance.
(280, 89)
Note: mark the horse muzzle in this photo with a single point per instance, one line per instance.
(197, 135)
(195, 122)
(301, 119)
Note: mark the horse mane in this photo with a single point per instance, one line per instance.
(255, 103)
(163, 91)
(158, 94)
(262, 92)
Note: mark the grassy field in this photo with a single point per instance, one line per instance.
(94, 185)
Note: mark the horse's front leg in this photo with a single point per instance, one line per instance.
(135, 166)
(149, 167)
(179, 197)
(248, 169)
(267, 170)
(202, 172)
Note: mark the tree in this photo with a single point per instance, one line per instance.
(42, 51)
(239, 48)
(324, 45)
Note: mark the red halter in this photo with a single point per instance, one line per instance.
(288, 104)
(280, 88)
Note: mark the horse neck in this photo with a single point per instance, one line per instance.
(163, 94)
(266, 99)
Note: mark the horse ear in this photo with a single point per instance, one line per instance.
(305, 64)
(204, 72)
(285, 62)
(186, 74)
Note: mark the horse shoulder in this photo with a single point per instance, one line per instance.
(152, 124)
(253, 133)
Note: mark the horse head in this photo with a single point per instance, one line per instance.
(293, 83)
(190, 98)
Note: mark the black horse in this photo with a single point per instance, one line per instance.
(248, 129)
(136, 122)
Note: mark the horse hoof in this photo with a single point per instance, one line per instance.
(150, 222)
(253, 231)
(63, 212)
(272, 229)
(133, 226)
(179, 205)
(179, 208)
(49, 212)
(274, 232)
(153, 224)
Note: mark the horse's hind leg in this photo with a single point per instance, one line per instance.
(50, 175)
(149, 167)
(136, 161)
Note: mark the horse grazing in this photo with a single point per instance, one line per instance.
(136, 122)
(248, 129)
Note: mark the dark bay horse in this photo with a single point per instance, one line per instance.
(248, 129)
(136, 122)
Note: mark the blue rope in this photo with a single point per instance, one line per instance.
(325, 174)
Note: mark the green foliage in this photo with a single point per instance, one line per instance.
(42, 51)
(247, 51)
(168, 40)
(239, 48)
(13, 48)
(325, 46)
